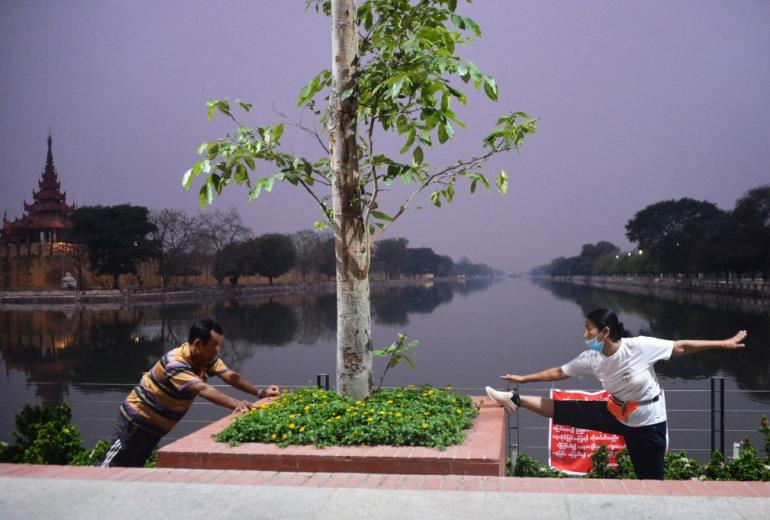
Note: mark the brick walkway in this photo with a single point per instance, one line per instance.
(679, 488)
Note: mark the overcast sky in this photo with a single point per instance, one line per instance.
(641, 101)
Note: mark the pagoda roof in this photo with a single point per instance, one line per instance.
(49, 209)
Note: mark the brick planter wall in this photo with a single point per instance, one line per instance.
(482, 453)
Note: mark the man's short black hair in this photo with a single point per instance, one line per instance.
(201, 330)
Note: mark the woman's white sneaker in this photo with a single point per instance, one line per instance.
(504, 399)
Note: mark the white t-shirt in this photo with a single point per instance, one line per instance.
(629, 375)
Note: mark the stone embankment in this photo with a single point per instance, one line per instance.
(743, 292)
(178, 294)
(150, 296)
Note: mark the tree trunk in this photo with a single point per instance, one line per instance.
(354, 343)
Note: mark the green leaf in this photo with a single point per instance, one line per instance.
(474, 183)
(187, 179)
(382, 216)
(409, 141)
(320, 225)
(277, 131)
(206, 195)
(304, 94)
(395, 89)
(473, 26)
(408, 361)
(502, 182)
(490, 88)
(458, 21)
(443, 137)
(244, 105)
(417, 155)
(450, 132)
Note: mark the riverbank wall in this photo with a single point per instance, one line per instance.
(745, 293)
(180, 295)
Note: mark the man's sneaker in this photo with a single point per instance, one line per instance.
(504, 399)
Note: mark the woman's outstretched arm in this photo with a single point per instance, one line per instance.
(684, 347)
(550, 374)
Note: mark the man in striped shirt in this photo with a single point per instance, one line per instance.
(167, 391)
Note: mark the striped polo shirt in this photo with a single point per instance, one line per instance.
(162, 397)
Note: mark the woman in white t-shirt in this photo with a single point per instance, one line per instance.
(636, 408)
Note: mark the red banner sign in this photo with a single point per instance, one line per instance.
(570, 448)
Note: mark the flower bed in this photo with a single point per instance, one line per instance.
(413, 416)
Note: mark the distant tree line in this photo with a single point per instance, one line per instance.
(114, 240)
(683, 236)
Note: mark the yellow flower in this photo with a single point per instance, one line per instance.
(285, 436)
(274, 436)
(307, 408)
(390, 401)
(398, 414)
(359, 403)
(302, 429)
(291, 426)
(337, 418)
(382, 412)
(459, 411)
(291, 416)
(424, 426)
(369, 419)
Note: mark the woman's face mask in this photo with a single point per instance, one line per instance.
(595, 343)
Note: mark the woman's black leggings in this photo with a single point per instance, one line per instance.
(646, 444)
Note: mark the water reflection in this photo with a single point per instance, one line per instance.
(113, 345)
(681, 318)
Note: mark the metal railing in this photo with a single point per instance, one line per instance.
(717, 411)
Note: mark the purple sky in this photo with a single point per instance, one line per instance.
(641, 101)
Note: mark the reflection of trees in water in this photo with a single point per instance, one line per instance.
(114, 345)
(392, 305)
(54, 348)
(469, 285)
(247, 325)
(680, 320)
(317, 319)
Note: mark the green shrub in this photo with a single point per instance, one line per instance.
(529, 467)
(748, 465)
(43, 436)
(764, 429)
(625, 468)
(678, 466)
(91, 457)
(412, 416)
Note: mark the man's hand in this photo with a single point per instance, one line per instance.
(735, 341)
(242, 406)
(512, 378)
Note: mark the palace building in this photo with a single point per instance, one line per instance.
(47, 219)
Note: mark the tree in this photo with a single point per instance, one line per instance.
(421, 261)
(390, 256)
(174, 234)
(116, 237)
(752, 212)
(669, 231)
(219, 229)
(77, 252)
(235, 260)
(396, 77)
(306, 243)
(275, 255)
